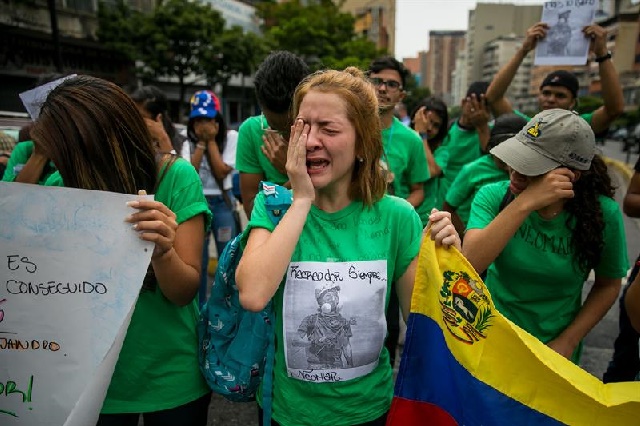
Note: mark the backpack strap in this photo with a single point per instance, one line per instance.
(278, 199)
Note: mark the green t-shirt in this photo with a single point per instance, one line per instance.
(249, 156)
(19, 157)
(587, 117)
(331, 366)
(471, 178)
(533, 281)
(432, 193)
(404, 154)
(464, 147)
(158, 365)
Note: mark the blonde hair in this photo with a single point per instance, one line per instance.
(361, 103)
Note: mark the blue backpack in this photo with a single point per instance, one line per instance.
(236, 346)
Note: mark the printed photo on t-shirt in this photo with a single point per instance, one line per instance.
(333, 319)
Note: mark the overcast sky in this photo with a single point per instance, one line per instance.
(415, 18)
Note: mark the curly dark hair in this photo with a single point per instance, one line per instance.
(276, 80)
(586, 220)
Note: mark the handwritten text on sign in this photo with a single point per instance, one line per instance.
(71, 270)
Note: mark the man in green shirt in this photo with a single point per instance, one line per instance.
(468, 136)
(263, 139)
(405, 159)
(560, 88)
(404, 152)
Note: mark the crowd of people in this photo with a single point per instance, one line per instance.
(527, 200)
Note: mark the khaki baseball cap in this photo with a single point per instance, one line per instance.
(551, 139)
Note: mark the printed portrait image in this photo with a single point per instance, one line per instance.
(334, 326)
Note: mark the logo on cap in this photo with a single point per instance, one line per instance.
(534, 131)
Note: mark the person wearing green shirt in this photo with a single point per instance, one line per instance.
(559, 89)
(404, 159)
(404, 155)
(98, 139)
(467, 137)
(486, 169)
(332, 261)
(561, 224)
(262, 140)
(429, 119)
(27, 165)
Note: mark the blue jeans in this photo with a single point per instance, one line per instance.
(224, 229)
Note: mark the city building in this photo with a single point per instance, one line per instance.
(443, 50)
(496, 54)
(375, 19)
(489, 21)
(418, 67)
(459, 78)
(28, 49)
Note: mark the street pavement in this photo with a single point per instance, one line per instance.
(598, 345)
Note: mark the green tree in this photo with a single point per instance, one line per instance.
(176, 37)
(170, 42)
(119, 28)
(320, 33)
(233, 52)
(587, 104)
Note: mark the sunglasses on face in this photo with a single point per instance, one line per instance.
(390, 84)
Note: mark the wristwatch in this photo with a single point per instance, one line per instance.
(603, 58)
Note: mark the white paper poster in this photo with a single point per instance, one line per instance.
(71, 270)
(565, 43)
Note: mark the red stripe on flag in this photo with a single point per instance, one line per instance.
(407, 412)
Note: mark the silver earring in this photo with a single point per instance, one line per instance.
(360, 160)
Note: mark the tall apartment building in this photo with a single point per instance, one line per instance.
(497, 53)
(491, 20)
(443, 49)
(376, 19)
(459, 79)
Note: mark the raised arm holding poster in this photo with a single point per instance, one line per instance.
(71, 270)
(565, 43)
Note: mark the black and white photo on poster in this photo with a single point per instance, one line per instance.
(333, 319)
(565, 43)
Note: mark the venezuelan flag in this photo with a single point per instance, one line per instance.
(465, 364)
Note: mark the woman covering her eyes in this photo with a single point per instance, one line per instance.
(542, 232)
(330, 263)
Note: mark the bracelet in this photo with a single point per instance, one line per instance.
(201, 145)
(603, 58)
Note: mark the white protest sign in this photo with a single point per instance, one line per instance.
(565, 43)
(71, 270)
